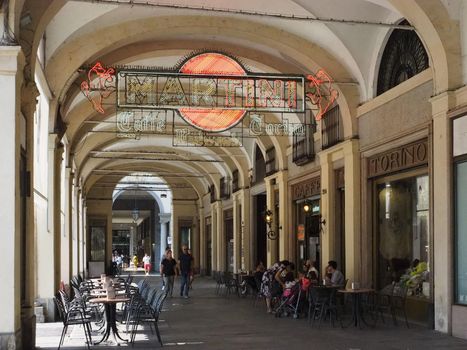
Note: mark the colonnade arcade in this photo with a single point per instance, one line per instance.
(65, 163)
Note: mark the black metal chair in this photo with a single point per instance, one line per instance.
(399, 302)
(72, 315)
(322, 303)
(231, 284)
(149, 315)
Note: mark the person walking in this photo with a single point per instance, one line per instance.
(168, 265)
(147, 263)
(184, 262)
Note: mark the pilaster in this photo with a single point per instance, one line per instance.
(164, 219)
(11, 61)
(282, 178)
(221, 244)
(246, 227)
(237, 226)
(327, 210)
(353, 246)
(202, 238)
(214, 260)
(442, 211)
(272, 244)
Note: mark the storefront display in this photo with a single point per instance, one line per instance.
(403, 234)
(306, 196)
(460, 204)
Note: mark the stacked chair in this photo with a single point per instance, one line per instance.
(145, 307)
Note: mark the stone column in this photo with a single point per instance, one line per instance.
(221, 243)
(78, 214)
(68, 218)
(48, 262)
(283, 233)
(11, 60)
(327, 210)
(202, 240)
(84, 230)
(247, 229)
(164, 219)
(442, 211)
(214, 260)
(353, 256)
(237, 227)
(195, 241)
(272, 244)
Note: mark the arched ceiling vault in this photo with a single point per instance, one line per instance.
(124, 35)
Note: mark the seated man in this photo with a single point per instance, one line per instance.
(337, 278)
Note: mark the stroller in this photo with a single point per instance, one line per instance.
(292, 299)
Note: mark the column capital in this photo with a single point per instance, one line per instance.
(442, 103)
(11, 60)
(164, 217)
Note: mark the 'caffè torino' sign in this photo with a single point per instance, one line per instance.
(211, 91)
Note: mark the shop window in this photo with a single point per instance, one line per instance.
(404, 56)
(332, 131)
(303, 145)
(403, 235)
(270, 161)
(225, 188)
(461, 232)
(212, 193)
(235, 181)
(260, 166)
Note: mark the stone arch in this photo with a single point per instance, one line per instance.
(441, 36)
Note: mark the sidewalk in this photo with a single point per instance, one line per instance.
(208, 321)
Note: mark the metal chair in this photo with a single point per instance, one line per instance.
(72, 315)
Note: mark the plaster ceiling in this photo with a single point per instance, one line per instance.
(354, 48)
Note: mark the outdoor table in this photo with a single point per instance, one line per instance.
(357, 312)
(110, 316)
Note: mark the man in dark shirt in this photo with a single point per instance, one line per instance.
(168, 265)
(184, 262)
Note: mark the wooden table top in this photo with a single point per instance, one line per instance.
(106, 300)
(356, 291)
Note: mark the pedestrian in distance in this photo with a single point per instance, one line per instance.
(168, 267)
(184, 265)
(147, 264)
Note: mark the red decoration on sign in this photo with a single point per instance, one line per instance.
(212, 63)
(321, 94)
(104, 86)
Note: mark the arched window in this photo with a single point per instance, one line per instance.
(404, 56)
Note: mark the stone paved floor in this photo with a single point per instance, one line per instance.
(207, 321)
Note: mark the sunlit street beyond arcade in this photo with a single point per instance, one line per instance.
(251, 174)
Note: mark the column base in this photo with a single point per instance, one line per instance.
(10, 340)
(49, 309)
(28, 328)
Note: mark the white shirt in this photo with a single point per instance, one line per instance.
(146, 259)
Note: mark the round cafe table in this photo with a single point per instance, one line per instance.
(110, 316)
(357, 312)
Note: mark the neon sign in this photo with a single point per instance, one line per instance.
(211, 91)
(102, 80)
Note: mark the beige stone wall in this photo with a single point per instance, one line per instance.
(396, 117)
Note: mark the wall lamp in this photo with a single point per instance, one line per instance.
(308, 208)
(268, 219)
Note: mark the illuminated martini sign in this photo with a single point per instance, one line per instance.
(211, 91)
